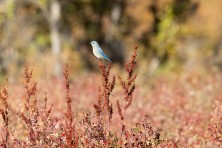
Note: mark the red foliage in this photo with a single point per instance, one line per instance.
(69, 130)
(177, 117)
(105, 90)
(5, 115)
(215, 127)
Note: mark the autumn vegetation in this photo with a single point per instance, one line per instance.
(164, 91)
(168, 119)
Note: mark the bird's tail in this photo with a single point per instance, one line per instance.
(107, 59)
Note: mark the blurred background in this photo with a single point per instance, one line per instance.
(172, 35)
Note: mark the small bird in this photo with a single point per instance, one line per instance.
(98, 52)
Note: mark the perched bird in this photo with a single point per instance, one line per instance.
(98, 52)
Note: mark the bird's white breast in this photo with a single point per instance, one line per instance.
(96, 52)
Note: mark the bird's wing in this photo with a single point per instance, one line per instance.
(100, 49)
